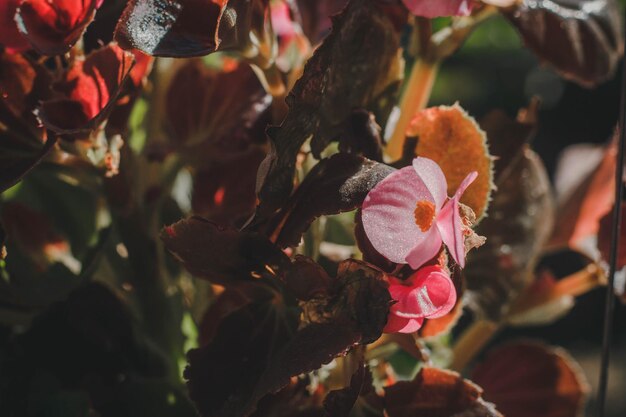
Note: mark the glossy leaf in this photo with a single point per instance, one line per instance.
(52, 28)
(179, 28)
(337, 184)
(437, 393)
(10, 36)
(527, 380)
(353, 66)
(581, 39)
(519, 223)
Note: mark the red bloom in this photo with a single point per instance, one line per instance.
(87, 91)
(53, 27)
(10, 37)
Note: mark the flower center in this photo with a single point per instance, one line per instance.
(424, 214)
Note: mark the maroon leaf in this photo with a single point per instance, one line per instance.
(358, 297)
(527, 380)
(337, 184)
(306, 279)
(10, 36)
(519, 222)
(437, 393)
(508, 138)
(179, 28)
(353, 66)
(53, 27)
(225, 190)
(222, 255)
(339, 403)
(581, 39)
(255, 352)
(87, 91)
(210, 112)
(316, 17)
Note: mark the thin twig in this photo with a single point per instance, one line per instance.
(615, 235)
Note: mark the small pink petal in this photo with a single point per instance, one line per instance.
(388, 215)
(438, 8)
(432, 176)
(450, 225)
(432, 295)
(397, 324)
(426, 249)
(467, 181)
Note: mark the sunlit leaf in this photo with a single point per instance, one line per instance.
(437, 393)
(354, 65)
(527, 380)
(581, 39)
(53, 28)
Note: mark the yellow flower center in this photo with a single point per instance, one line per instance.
(424, 214)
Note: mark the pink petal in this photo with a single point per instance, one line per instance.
(397, 324)
(432, 294)
(450, 225)
(469, 179)
(432, 176)
(388, 215)
(426, 249)
(437, 8)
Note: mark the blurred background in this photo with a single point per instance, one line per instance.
(494, 71)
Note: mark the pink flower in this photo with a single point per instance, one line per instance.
(428, 293)
(408, 215)
(437, 8)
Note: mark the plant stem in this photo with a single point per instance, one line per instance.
(271, 79)
(471, 342)
(415, 98)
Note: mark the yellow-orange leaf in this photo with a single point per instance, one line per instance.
(452, 138)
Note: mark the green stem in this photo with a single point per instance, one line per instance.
(415, 98)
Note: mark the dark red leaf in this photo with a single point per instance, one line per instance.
(519, 223)
(256, 351)
(210, 112)
(316, 17)
(437, 393)
(339, 403)
(582, 40)
(224, 191)
(53, 27)
(508, 138)
(306, 279)
(354, 65)
(528, 380)
(337, 184)
(10, 36)
(179, 28)
(222, 255)
(358, 297)
(87, 91)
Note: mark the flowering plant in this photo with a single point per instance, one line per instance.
(239, 208)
